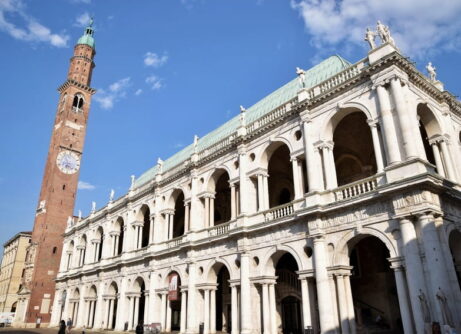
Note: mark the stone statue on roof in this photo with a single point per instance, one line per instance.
(370, 36)
(431, 70)
(242, 115)
(69, 221)
(195, 143)
(79, 215)
(111, 196)
(93, 207)
(301, 77)
(132, 182)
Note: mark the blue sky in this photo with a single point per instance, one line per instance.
(167, 70)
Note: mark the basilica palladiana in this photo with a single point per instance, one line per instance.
(332, 204)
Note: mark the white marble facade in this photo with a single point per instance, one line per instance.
(338, 212)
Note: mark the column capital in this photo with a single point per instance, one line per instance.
(305, 274)
(322, 144)
(207, 194)
(397, 263)
(167, 212)
(137, 223)
(438, 139)
(373, 123)
(114, 233)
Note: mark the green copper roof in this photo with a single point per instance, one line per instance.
(87, 37)
(320, 72)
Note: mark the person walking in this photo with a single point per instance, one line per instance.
(69, 325)
(139, 329)
(62, 327)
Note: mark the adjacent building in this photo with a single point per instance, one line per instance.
(12, 270)
(331, 204)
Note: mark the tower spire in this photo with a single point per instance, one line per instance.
(88, 35)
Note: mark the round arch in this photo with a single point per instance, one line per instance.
(175, 193)
(92, 292)
(170, 271)
(270, 148)
(429, 119)
(76, 293)
(214, 177)
(113, 288)
(348, 240)
(137, 284)
(337, 115)
(273, 255)
(214, 268)
(142, 211)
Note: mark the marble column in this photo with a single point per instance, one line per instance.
(307, 321)
(327, 323)
(213, 311)
(319, 166)
(211, 215)
(405, 311)
(183, 311)
(326, 167)
(260, 193)
(414, 272)
(342, 303)
(376, 145)
(131, 313)
(192, 324)
(296, 178)
(168, 316)
(171, 226)
(437, 157)
(266, 310)
(206, 311)
(151, 229)
(233, 201)
(207, 212)
(245, 294)
(350, 304)
(404, 119)
(435, 263)
(243, 180)
(234, 310)
(163, 312)
(388, 126)
(273, 308)
(313, 173)
(186, 219)
(447, 159)
(266, 191)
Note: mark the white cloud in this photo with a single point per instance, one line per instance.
(24, 27)
(138, 92)
(81, 1)
(82, 185)
(418, 26)
(154, 82)
(82, 20)
(116, 91)
(155, 60)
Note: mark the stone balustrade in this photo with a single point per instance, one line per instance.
(356, 189)
(279, 212)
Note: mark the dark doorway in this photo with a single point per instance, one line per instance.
(291, 315)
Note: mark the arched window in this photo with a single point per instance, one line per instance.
(78, 102)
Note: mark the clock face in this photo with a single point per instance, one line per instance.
(68, 162)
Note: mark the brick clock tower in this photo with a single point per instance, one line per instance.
(59, 185)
